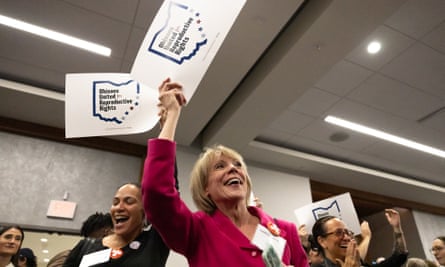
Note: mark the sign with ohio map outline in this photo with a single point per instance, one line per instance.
(180, 44)
(340, 206)
(99, 104)
(182, 41)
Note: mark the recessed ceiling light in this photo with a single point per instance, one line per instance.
(374, 47)
(56, 36)
(385, 136)
(45, 251)
(339, 137)
(45, 260)
(43, 240)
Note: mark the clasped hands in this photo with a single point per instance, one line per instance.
(352, 258)
(171, 97)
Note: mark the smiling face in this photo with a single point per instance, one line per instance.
(219, 177)
(438, 250)
(10, 242)
(127, 211)
(334, 245)
(227, 180)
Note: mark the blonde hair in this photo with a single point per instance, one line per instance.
(416, 262)
(200, 174)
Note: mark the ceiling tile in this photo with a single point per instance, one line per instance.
(342, 78)
(21, 47)
(78, 22)
(42, 77)
(321, 131)
(290, 122)
(420, 67)
(134, 43)
(418, 133)
(406, 157)
(146, 11)
(436, 121)
(368, 116)
(416, 18)
(393, 43)
(126, 66)
(304, 144)
(397, 98)
(314, 102)
(117, 9)
(273, 136)
(22, 106)
(371, 161)
(436, 38)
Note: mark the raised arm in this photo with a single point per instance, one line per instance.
(393, 218)
(171, 101)
(304, 237)
(366, 239)
(162, 204)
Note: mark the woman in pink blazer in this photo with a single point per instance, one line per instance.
(225, 231)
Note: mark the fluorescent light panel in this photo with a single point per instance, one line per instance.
(56, 36)
(385, 136)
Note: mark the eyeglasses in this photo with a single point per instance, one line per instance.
(436, 249)
(340, 233)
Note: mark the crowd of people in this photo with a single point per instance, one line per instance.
(146, 221)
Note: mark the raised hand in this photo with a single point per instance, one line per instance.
(304, 236)
(171, 95)
(393, 217)
(352, 258)
(171, 100)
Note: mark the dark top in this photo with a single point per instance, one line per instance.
(148, 249)
(397, 259)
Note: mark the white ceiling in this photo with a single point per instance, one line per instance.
(282, 69)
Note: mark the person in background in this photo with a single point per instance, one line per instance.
(431, 263)
(400, 251)
(365, 239)
(315, 256)
(438, 250)
(27, 258)
(97, 225)
(222, 231)
(416, 262)
(379, 260)
(332, 237)
(131, 244)
(11, 239)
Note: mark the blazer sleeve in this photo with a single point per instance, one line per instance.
(163, 206)
(298, 255)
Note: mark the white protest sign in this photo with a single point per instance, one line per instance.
(182, 41)
(99, 104)
(340, 206)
